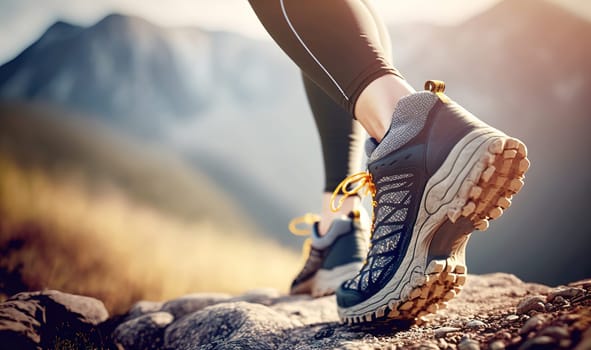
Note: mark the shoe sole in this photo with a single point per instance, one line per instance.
(326, 282)
(474, 184)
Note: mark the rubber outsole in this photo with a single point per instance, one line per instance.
(484, 194)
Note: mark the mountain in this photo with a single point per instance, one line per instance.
(135, 73)
(62, 145)
(203, 94)
(234, 108)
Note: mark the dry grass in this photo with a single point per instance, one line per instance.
(57, 233)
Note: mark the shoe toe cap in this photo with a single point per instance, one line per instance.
(348, 297)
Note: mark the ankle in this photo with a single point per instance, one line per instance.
(327, 216)
(377, 102)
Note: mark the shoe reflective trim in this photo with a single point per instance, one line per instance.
(310, 52)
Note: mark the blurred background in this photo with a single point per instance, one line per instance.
(149, 150)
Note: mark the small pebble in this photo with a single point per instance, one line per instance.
(497, 345)
(443, 344)
(556, 332)
(512, 318)
(533, 303)
(442, 331)
(475, 324)
(539, 343)
(468, 344)
(505, 335)
(531, 325)
(428, 346)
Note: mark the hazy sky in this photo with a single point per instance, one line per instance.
(22, 21)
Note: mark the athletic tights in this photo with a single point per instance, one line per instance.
(340, 46)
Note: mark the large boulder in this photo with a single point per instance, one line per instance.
(145, 332)
(50, 319)
(234, 325)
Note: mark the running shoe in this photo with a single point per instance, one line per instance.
(454, 176)
(332, 258)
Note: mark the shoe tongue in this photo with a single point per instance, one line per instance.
(370, 146)
(408, 120)
(337, 227)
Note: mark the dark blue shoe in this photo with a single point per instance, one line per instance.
(454, 176)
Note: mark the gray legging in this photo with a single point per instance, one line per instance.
(334, 75)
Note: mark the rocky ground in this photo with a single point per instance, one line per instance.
(496, 311)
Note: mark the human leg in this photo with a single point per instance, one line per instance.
(435, 171)
(342, 140)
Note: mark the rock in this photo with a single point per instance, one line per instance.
(559, 300)
(505, 335)
(531, 325)
(468, 344)
(442, 331)
(85, 309)
(144, 332)
(237, 325)
(19, 325)
(532, 303)
(585, 343)
(263, 319)
(539, 343)
(585, 284)
(193, 302)
(565, 292)
(475, 324)
(512, 318)
(497, 345)
(265, 296)
(556, 332)
(307, 310)
(32, 320)
(143, 307)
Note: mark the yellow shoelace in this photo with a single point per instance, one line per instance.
(357, 184)
(353, 185)
(307, 219)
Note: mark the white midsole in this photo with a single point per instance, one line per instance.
(465, 163)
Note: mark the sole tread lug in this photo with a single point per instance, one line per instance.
(475, 192)
(495, 212)
(515, 185)
(481, 225)
(512, 144)
(523, 166)
(469, 209)
(488, 173)
(503, 203)
(510, 154)
(496, 147)
(406, 306)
